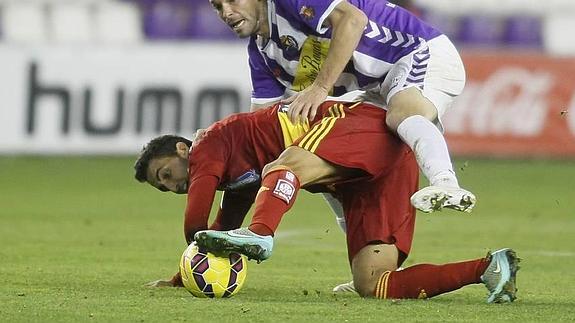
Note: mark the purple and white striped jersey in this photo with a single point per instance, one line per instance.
(298, 44)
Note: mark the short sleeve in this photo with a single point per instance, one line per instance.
(265, 87)
(313, 13)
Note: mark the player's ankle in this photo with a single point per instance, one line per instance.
(260, 229)
(444, 179)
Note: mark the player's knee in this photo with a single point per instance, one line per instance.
(406, 104)
(395, 116)
(287, 160)
(369, 264)
(365, 288)
(273, 166)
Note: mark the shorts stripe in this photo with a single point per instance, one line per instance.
(323, 134)
(418, 69)
(338, 113)
(308, 140)
(311, 141)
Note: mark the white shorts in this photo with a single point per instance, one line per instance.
(435, 69)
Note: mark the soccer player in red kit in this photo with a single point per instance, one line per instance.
(345, 151)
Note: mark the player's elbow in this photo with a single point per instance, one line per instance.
(349, 18)
(359, 20)
(356, 18)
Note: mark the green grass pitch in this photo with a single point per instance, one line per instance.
(79, 238)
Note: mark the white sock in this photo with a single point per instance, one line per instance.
(430, 149)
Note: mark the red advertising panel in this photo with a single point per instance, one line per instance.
(514, 105)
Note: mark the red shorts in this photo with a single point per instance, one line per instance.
(377, 207)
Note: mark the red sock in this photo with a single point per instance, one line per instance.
(424, 281)
(276, 196)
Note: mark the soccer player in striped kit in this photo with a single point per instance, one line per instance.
(301, 51)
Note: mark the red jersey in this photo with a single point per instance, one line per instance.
(230, 157)
(231, 154)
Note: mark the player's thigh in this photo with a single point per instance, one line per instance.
(370, 263)
(407, 103)
(424, 83)
(308, 167)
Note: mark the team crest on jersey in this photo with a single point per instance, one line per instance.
(307, 12)
(289, 45)
(288, 42)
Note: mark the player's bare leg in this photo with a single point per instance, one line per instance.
(281, 181)
(308, 167)
(369, 264)
(375, 274)
(410, 114)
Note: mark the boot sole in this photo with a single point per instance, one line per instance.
(254, 252)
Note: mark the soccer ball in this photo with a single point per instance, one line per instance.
(207, 275)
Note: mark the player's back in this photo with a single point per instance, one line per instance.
(245, 142)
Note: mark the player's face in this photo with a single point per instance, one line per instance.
(244, 17)
(169, 174)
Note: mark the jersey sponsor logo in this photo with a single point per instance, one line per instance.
(307, 13)
(284, 190)
(313, 54)
(246, 179)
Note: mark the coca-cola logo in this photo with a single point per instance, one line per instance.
(512, 101)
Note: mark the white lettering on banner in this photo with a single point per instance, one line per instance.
(511, 101)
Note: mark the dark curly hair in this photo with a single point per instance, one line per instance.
(158, 147)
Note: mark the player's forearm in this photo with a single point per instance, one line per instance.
(347, 28)
(200, 197)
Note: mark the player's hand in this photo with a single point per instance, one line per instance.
(161, 283)
(304, 104)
